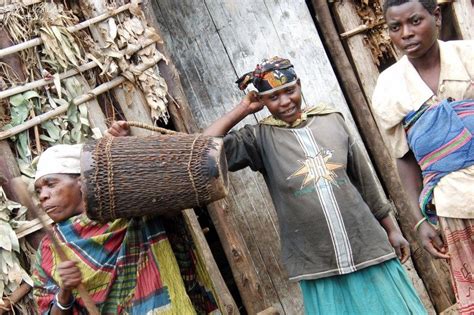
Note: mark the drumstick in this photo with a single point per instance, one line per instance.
(25, 199)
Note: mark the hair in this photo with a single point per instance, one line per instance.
(429, 5)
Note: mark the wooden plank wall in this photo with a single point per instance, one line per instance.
(211, 43)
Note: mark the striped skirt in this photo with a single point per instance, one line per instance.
(380, 289)
(459, 237)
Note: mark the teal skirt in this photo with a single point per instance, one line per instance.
(379, 289)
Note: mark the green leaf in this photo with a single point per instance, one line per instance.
(84, 121)
(46, 138)
(52, 129)
(22, 146)
(17, 100)
(66, 139)
(72, 114)
(30, 94)
(61, 101)
(76, 134)
(19, 114)
(26, 168)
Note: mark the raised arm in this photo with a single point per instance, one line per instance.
(250, 104)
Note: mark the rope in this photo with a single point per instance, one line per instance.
(139, 124)
(190, 173)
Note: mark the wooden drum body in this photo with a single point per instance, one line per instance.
(124, 177)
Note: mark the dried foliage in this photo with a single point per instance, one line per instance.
(123, 34)
(12, 273)
(376, 38)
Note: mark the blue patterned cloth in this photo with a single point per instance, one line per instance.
(440, 137)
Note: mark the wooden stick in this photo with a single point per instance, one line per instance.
(43, 82)
(38, 41)
(85, 67)
(139, 124)
(360, 29)
(31, 226)
(20, 187)
(15, 297)
(37, 135)
(77, 101)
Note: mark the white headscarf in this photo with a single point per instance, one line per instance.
(60, 159)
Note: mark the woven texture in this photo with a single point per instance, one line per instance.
(155, 174)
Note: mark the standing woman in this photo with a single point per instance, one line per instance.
(425, 109)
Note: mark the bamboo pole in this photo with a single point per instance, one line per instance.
(42, 82)
(424, 263)
(359, 29)
(26, 200)
(38, 41)
(83, 68)
(77, 101)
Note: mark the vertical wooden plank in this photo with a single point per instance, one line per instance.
(365, 66)
(225, 301)
(463, 14)
(205, 70)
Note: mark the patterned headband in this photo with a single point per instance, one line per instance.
(272, 74)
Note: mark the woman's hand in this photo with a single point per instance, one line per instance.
(400, 244)
(251, 103)
(118, 129)
(431, 241)
(70, 275)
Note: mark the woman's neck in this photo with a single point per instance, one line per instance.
(428, 67)
(430, 60)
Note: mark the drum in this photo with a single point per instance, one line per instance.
(124, 177)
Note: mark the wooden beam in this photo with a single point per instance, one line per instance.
(224, 300)
(463, 12)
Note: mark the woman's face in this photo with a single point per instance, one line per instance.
(284, 104)
(412, 28)
(60, 195)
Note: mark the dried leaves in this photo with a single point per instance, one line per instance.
(60, 48)
(124, 35)
(11, 272)
(376, 38)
